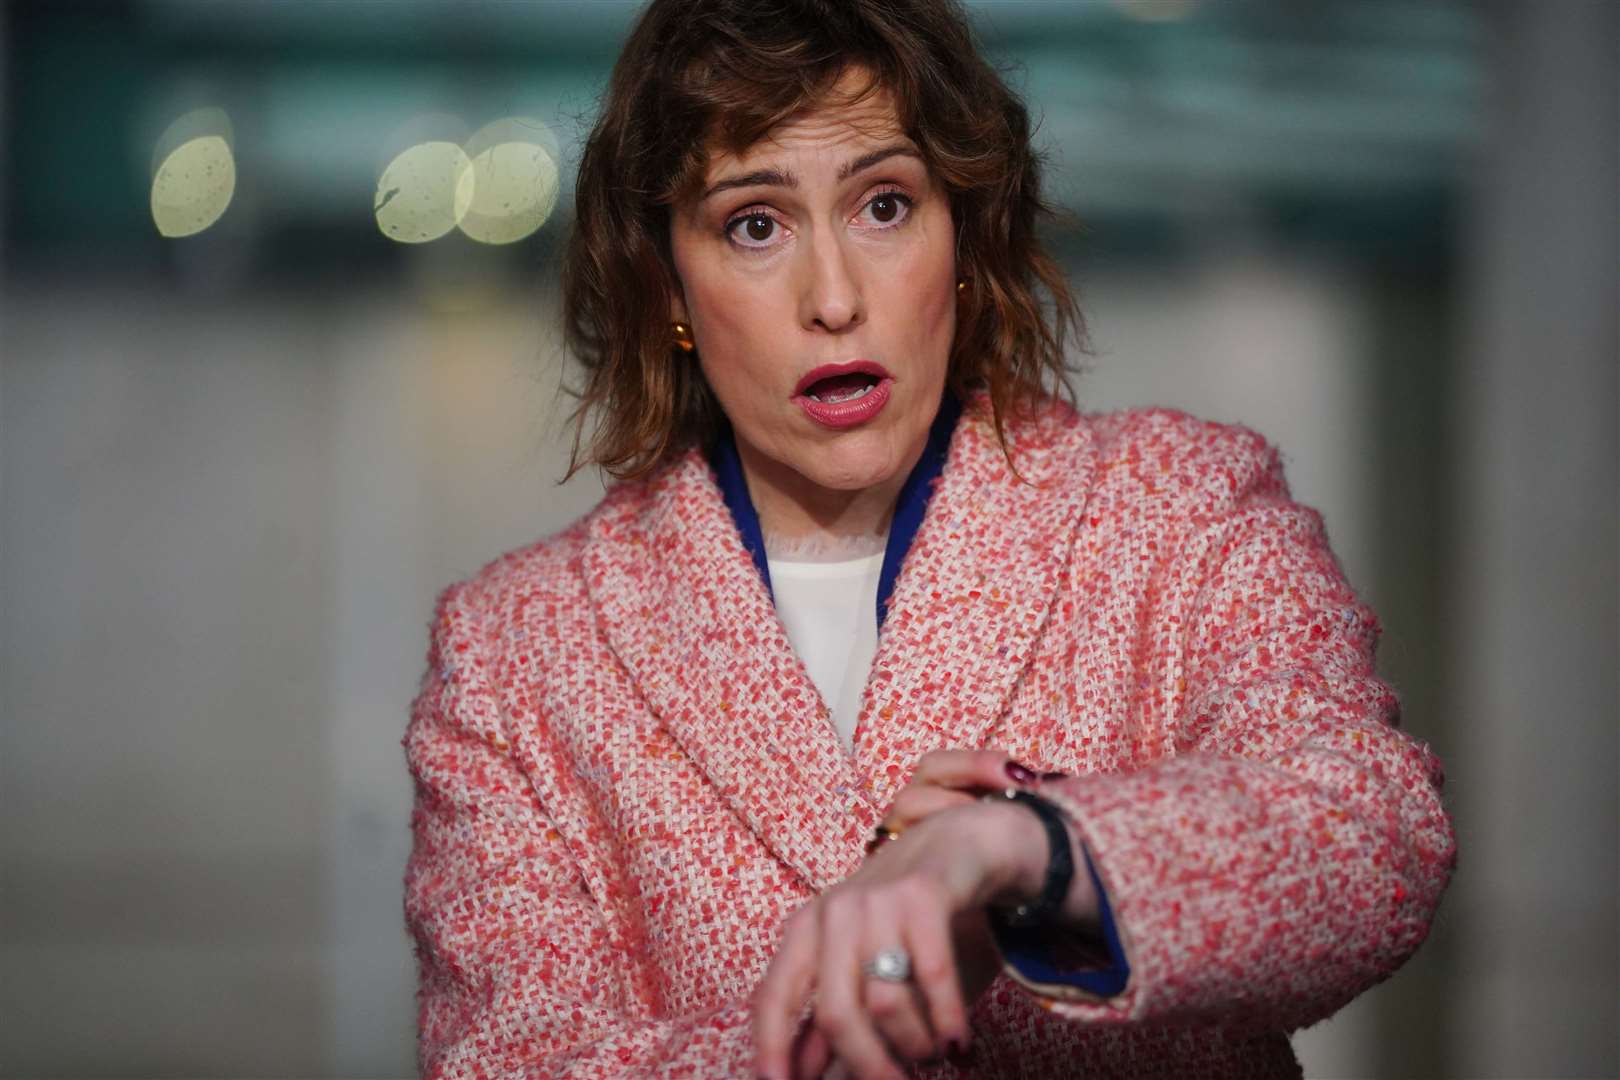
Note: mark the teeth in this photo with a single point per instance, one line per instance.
(851, 396)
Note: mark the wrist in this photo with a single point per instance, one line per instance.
(1019, 854)
(1023, 851)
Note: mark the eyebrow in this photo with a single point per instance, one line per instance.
(774, 177)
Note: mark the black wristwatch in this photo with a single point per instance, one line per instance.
(1059, 866)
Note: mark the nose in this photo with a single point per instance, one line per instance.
(830, 299)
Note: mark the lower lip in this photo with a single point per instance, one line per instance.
(845, 414)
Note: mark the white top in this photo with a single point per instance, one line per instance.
(829, 610)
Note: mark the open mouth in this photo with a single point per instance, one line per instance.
(836, 389)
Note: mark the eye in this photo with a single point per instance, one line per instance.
(887, 209)
(754, 229)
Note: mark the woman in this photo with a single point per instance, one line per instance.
(650, 751)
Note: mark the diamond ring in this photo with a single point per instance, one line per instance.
(890, 965)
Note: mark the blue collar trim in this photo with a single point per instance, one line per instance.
(909, 508)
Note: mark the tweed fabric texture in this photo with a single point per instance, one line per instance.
(625, 780)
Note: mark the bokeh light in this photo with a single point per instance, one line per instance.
(512, 184)
(424, 192)
(193, 173)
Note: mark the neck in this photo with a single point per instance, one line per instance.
(793, 511)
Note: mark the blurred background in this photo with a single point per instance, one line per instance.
(281, 360)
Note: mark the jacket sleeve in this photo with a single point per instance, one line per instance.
(520, 974)
(1286, 847)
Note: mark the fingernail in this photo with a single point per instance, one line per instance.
(1019, 774)
(956, 1048)
(1053, 775)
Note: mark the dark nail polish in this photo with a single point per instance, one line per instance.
(1019, 774)
(1053, 775)
(956, 1048)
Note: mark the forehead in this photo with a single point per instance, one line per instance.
(853, 116)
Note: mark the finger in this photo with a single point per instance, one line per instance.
(900, 1016)
(948, 778)
(898, 1011)
(918, 801)
(787, 983)
(840, 992)
(812, 1053)
(964, 769)
(934, 970)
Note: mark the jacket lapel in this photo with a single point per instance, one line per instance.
(975, 591)
(685, 610)
(683, 607)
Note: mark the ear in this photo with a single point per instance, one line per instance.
(677, 307)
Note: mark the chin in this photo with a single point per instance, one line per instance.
(851, 468)
(850, 481)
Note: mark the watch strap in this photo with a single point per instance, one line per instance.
(1059, 866)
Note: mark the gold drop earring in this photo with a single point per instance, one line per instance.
(683, 337)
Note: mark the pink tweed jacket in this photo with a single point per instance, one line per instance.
(626, 780)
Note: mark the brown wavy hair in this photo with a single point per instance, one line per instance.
(699, 73)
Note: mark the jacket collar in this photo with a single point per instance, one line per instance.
(683, 605)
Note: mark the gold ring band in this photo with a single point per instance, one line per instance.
(880, 836)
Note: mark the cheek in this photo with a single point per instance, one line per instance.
(739, 328)
(725, 345)
(720, 314)
(932, 295)
(731, 356)
(936, 315)
(722, 318)
(716, 302)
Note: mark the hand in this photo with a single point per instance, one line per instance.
(948, 778)
(945, 779)
(925, 893)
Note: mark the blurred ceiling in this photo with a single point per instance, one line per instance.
(1350, 121)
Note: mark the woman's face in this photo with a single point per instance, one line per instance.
(817, 271)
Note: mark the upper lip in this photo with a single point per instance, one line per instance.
(852, 367)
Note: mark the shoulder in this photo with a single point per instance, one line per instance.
(1179, 463)
(1164, 438)
(545, 580)
(1182, 436)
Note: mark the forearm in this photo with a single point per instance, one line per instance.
(1251, 891)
